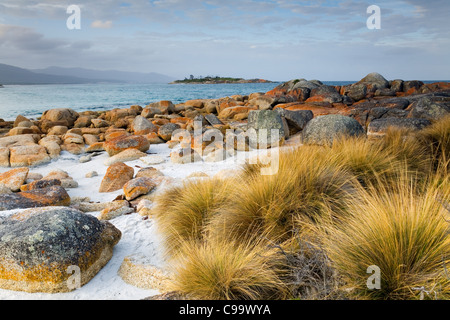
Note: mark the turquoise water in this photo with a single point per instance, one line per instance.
(32, 100)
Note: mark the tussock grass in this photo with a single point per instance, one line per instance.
(229, 270)
(182, 212)
(306, 185)
(405, 232)
(436, 139)
(311, 230)
(366, 160)
(405, 146)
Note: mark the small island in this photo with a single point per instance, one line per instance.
(217, 80)
(1, 86)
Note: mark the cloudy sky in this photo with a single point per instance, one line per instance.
(271, 39)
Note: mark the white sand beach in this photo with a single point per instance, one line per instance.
(139, 235)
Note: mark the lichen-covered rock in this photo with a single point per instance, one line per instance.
(297, 120)
(71, 137)
(40, 184)
(144, 208)
(52, 196)
(149, 173)
(165, 132)
(266, 129)
(326, 94)
(185, 155)
(55, 249)
(374, 81)
(379, 127)
(14, 179)
(21, 140)
(161, 107)
(19, 119)
(4, 157)
(356, 91)
(100, 123)
(324, 130)
(152, 159)
(124, 156)
(20, 130)
(426, 108)
(83, 121)
(115, 178)
(115, 209)
(61, 114)
(137, 187)
(231, 112)
(74, 148)
(121, 143)
(29, 155)
(218, 155)
(138, 271)
(141, 126)
(96, 147)
(52, 144)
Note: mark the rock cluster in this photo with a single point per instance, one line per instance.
(374, 102)
(23, 189)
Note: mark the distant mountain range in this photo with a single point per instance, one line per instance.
(56, 75)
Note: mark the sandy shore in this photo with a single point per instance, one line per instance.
(139, 236)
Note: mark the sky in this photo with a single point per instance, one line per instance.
(276, 40)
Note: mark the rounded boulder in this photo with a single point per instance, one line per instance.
(323, 130)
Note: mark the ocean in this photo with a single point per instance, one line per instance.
(32, 100)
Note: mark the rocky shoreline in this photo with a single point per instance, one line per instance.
(197, 131)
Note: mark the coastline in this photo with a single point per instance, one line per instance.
(81, 142)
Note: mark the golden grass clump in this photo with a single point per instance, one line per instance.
(312, 229)
(436, 138)
(405, 146)
(230, 271)
(182, 212)
(366, 160)
(404, 232)
(279, 205)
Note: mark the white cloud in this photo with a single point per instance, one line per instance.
(102, 24)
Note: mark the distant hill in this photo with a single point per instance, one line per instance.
(14, 75)
(109, 75)
(55, 75)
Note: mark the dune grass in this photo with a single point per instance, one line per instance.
(311, 230)
(369, 161)
(182, 212)
(404, 230)
(405, 146)
(436, 139)
(229, 270)
(280, 205)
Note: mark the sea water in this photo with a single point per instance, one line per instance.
(32, 100)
